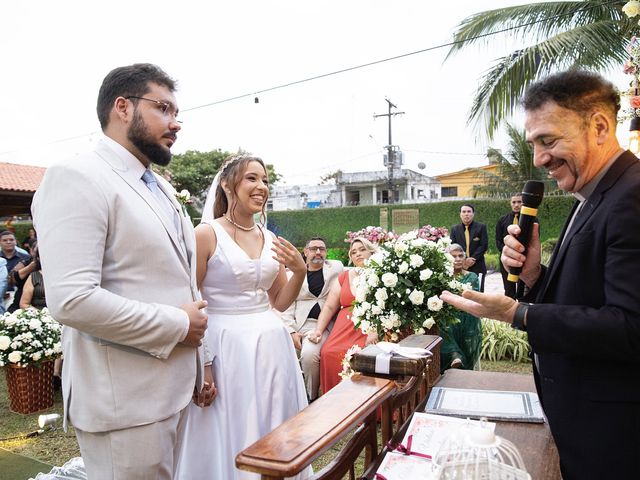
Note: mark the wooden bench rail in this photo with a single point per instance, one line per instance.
(295, 444)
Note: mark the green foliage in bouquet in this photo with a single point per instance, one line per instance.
(398, 289)
(29, 337)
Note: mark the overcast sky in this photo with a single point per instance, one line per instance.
(55, 55)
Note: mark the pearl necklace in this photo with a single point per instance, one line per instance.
(241, 227)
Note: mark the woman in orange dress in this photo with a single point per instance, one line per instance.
(344, 334)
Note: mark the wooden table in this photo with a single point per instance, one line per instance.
(534, 440)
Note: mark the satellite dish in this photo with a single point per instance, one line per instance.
(422, 165)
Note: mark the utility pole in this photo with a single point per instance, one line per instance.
(393, 151)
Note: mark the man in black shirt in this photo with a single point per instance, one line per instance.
(301, 317)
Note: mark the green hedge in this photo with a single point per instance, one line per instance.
(332, 223)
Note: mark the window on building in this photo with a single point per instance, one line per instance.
(449, 192)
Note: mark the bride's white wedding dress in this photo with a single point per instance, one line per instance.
(256, 369)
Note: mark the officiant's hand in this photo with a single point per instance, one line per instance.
(297, 340)
(490, 305)
(197, 323)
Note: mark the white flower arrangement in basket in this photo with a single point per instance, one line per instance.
(398, 290)
(29, 337)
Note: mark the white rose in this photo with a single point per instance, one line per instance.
(404, 266)
(185, 194)
(444, 242)
(4, 342)
(36, 356)
(14, 357)
(425, 274)
(418, 242)
(377, 257)
(35, 324)
(631, 8)
(389, 280)
(429, 322)
(400, 247)
(376, 310)
(373, 280)
(394, 337)
(434, 303)
(381, 295)
(416, 260)
(365, 326)
(361, 294)
(416, 297)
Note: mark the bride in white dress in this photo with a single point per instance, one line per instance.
(240, 272)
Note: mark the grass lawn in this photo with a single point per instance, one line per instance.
(55, 447)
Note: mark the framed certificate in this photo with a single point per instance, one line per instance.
(491, 404)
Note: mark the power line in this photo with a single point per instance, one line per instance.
(389, 59)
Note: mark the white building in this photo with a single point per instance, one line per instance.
(358, 188)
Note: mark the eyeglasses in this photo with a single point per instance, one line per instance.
(165, 107)
(316, 249)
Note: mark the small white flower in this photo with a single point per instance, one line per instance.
(420, 331)
(4, 342)
(425, 274)
(428, 323)
(416, 297)
(15, 356)
(416, 260)
(389, 279)
(434, 303)
(404, 266)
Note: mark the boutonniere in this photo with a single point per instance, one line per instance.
(184, 198)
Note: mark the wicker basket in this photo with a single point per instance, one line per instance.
(30, 388)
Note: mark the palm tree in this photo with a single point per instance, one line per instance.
(513, 170)
(590, 34)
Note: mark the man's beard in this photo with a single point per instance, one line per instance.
(139, 136)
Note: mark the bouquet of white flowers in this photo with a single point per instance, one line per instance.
(398, 289)
(29, 337)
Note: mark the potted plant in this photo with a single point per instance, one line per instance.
(29, 342)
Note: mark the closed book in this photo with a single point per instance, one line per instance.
(365, 360)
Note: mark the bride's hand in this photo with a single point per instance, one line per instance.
(288, 255)
(372, 338)
(205, 397)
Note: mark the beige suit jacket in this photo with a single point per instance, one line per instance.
(117, 274)
(295, 316)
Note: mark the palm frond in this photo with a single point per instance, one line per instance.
(534, 22)
(594, 46)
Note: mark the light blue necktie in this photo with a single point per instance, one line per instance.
(149, 179)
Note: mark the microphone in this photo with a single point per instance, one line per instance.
(532, 194)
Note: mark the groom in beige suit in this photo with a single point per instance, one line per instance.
(119, 255)
(302, 316)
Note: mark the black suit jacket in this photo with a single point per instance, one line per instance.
(478, 244)
(585, 332)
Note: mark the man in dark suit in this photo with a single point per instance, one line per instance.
(584, 327)
(501, 231)
(472, 236)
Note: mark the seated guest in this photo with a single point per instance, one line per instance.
(344, 334)
(302, 316)
(462, 341)
(4, 280)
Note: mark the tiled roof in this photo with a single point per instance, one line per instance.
(20, 178)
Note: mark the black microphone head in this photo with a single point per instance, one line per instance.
(532, 193)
